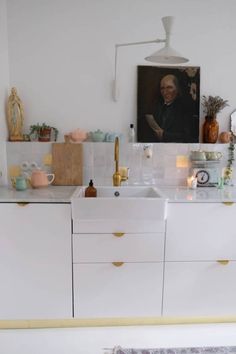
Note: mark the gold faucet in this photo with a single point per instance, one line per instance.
(116, 175)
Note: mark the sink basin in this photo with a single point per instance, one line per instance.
(122, 192)
(134, 205)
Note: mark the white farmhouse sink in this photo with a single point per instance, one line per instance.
(132, 204)
(122, 192)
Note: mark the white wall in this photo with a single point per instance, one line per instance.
(4, 83)
(62, 55)
(4, 69)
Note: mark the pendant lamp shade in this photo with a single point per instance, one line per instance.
(166, 55)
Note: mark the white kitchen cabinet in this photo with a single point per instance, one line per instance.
(35, 261)
(199, 289)
(200, 254)
(128, 290)
(200, 231)
(118, 274)
(126, 247)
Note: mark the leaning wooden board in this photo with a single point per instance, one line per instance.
(67, 164)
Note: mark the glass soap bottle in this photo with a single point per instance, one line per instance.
(131, 134)
(90, 191)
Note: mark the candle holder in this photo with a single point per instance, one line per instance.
(192, 182)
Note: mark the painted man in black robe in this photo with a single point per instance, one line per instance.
(171, 121)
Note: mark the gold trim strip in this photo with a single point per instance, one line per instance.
(228, 203)
(110, 322)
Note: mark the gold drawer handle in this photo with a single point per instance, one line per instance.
(223, 261)
(117, 264)
(118, 234)
(22, 203)
(228, 203)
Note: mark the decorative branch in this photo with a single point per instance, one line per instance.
(229, 168)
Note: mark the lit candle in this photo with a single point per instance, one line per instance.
(192, 182)
(182, 161)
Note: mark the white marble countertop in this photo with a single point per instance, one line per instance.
(50, 194)
(63, 194)
(199, 195)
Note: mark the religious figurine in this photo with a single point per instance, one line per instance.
(15, 116)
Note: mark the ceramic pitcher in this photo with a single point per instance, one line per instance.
(40, 178)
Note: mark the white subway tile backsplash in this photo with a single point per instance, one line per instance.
(99, 164)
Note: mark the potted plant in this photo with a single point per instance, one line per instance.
(43, 132)
(212, 106)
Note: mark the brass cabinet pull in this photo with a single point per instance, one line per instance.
(22, 203)
(223, 261)
(117, 264)
(228, 203)
(118, 234)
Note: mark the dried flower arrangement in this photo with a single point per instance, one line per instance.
(213, 105)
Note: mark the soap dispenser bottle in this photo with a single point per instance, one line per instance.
(131, 135)
(90, 191)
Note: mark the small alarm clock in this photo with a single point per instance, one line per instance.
(206, 176)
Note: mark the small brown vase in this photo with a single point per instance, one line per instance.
(210, 130)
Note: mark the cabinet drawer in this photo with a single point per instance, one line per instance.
(199, 289)
(117, 225)
(200, 232)
(131, 290)
(147, 247)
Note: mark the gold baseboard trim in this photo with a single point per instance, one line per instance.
(109, 322)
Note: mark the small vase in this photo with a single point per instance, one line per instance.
(210, 130)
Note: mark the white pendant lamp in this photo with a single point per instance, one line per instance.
(166, 55)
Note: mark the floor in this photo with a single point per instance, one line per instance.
(92, 340)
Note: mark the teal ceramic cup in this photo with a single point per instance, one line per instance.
(21, 184)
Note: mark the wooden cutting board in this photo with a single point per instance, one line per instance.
(67, 164)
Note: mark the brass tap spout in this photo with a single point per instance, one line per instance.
(116, 175)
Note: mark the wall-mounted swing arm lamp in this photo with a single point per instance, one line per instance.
(166, 55)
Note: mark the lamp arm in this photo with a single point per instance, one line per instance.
(137, 43)
(117, 46)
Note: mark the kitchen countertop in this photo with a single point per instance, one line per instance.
(199, 195)
(50, 194)
(63, 194)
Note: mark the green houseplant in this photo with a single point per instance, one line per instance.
(43, 132)
(211, 106)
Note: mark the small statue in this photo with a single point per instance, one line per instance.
(15, 116)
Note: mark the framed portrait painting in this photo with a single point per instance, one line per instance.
(168, 104)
